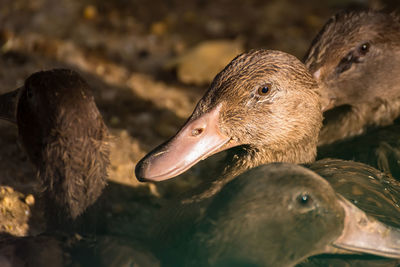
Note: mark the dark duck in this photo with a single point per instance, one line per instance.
(263, 217)
(356, 60)
(64, 135)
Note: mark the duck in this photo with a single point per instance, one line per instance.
(263, 217)
(354, 58)
(62, 131)
(264, 107)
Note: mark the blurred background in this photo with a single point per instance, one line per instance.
(148, 63)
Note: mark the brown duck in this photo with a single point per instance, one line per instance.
(264, 101)
(64, 135)
(356, 60)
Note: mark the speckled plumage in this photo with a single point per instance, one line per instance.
(284, 129)
(255, 120)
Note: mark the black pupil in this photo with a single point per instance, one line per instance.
(364, 48)
(304, 199)
(265, 89)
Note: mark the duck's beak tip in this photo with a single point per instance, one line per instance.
(365, 234)
(140, 171)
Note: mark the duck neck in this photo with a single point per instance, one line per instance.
(348, 121)
(243, 158)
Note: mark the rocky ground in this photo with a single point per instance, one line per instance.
(148, 63)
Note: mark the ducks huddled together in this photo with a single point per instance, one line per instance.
(270, 112)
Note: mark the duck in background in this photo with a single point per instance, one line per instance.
(356, 60)
(65, 137)
(279, 214)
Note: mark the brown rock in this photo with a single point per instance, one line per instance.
(200, 64)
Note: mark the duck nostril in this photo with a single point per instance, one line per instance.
(197, 131)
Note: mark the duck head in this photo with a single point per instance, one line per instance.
(279, 214)
(356, 58)
(63, 134)
(265, 101)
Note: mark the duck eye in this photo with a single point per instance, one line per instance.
(364, 48)
(264, 90)
(354, 56)
(304, 199)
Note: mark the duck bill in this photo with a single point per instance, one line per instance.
(198, 139)
(8, 105)
(364, 234)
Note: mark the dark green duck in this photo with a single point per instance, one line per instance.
(356, 60)
(64, 135)
(279, 214)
